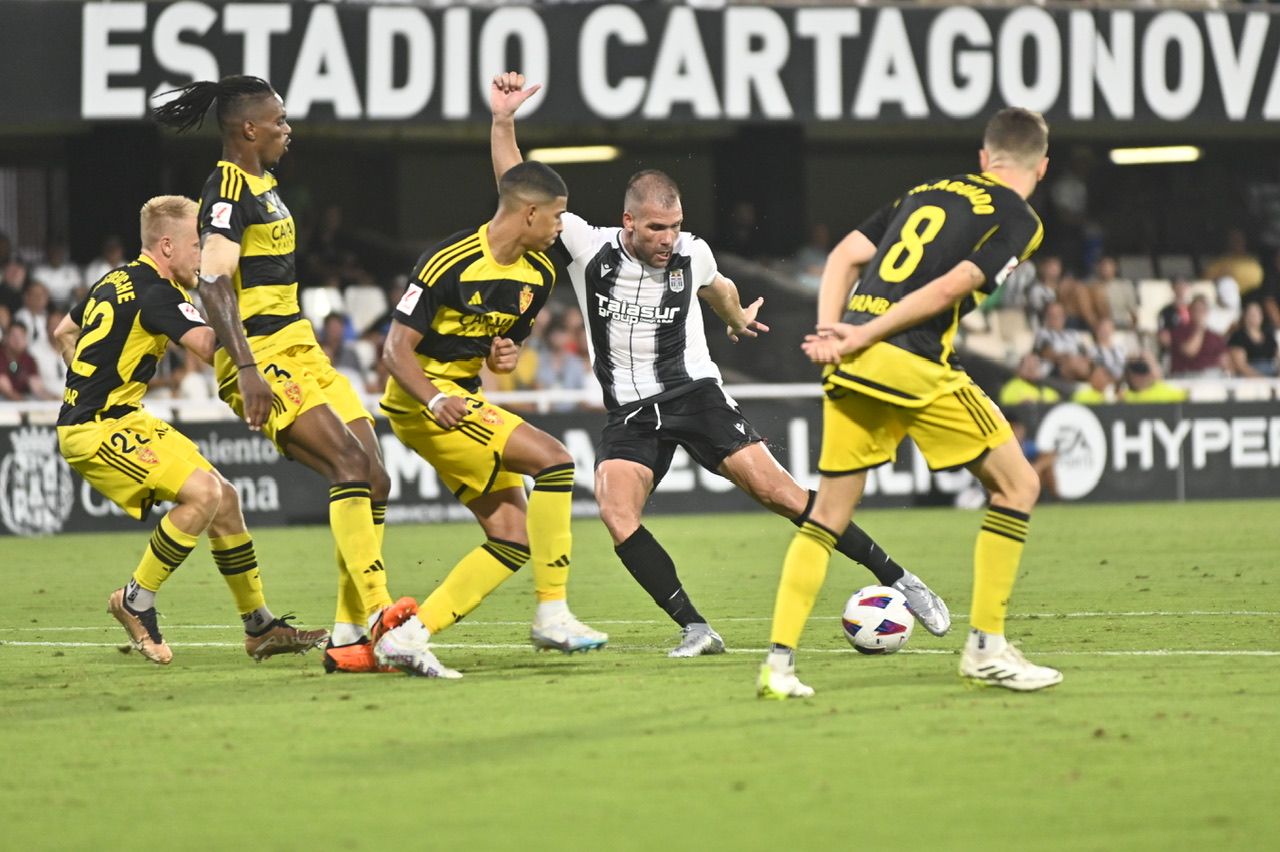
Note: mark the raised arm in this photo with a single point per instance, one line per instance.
(219, 258)
(506, 93)
(722, 296)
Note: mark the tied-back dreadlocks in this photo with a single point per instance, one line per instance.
(188, 109)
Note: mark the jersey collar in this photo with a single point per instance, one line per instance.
(143, 258)
(257, 185)
(989, 176)
(488, 252)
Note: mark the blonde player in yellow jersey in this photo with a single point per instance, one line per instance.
(272, 371)
(925, 260)
(111, 342)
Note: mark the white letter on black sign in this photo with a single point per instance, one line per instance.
(889, 74)
(828, 28)
(680, 71)
(257, 23)
(173, 55)
(1172, 104)
(604, 100)
(323, 69)
(1236, 73)
(387, 24)
(1037, 25)
(99, 59)
(526, 27)
(1094, 62)
(748, 67)
(959, 80)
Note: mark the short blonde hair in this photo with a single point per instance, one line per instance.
(160, 213)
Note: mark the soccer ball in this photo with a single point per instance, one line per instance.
(877, 621)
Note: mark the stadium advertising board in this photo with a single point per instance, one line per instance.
(653, 63)
(1109, 453)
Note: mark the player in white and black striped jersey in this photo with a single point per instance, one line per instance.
(648, 348)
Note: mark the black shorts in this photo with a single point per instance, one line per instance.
(704, 421)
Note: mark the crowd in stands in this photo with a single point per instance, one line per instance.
(348, 304)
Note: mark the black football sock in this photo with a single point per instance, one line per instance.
(652, 568)
(858, 546)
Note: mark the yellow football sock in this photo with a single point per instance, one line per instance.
(351, 519)
(995, 566)
(550, 537)
(803, 571)
(350, 609)
(479, 573)
(168, 547)
(238, 565)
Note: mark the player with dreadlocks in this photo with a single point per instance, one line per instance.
(274, 374)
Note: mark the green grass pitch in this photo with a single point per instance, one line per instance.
(1164, 618)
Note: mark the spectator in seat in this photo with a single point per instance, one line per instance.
(1107, 352)
(1044, 290)
(110, 256)
(1027, 385)
(13, 281)
(1268, 295)
(59, 274)
(1238, 263)
(19, 375)
(333, 340)
(1144, 385)
(1061, 347)
(1099, 390)
(1196, 350)
(1252, 349)
(1120, 296)
(1174, 314)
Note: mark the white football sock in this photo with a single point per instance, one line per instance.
(549, 611)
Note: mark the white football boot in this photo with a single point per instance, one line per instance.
(780, 685)
(405, 648)
(696, 640)
(991, 660)
(925, 604)
(563, 632)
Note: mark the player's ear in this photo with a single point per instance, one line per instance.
(628, 221)
(983, 158)
(1042, 169)
(249, 130)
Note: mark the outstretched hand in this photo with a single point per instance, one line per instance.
(833, 342)
(750, 326)
(507, 93)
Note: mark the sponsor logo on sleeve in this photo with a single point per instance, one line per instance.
(220, 215)
(1008, 268)
(189, 311)
(409, 300)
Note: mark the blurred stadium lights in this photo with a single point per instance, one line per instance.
(576, 154)
(1159, 154)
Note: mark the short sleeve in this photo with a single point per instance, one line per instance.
(413, 309)
(165, 310)
(702, 264)
(578, 236)
(1014, 241)
(77, 311)
(221, 207)
(874, 227)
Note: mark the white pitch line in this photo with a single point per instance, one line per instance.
(521, 646)
(1199, 613)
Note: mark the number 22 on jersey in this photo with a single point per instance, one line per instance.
(920, 229)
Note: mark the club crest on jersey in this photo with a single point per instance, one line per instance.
(526, 298)
(675, 280)
(294, 392)
(147, 456)
(493, 418)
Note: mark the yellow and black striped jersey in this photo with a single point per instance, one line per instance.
(920, 237)
(126, 321)
(248, 210)
(460, 298)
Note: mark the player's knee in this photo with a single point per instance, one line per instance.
(230, 499)
(350, 462)
(1021, 490)
(621, 521)
(379, 480)
(203, 492)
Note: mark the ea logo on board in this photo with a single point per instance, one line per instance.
(36, 488)
(1075, 434)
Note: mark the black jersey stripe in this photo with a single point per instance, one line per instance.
(445, 257)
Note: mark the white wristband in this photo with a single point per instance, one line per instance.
(431, 406)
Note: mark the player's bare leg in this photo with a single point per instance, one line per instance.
(803, 572)
(622, 487)
(754, 470)
(233, 553)
(989, 658)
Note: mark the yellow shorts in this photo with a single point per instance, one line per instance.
(301, 378)
(860, 432)
(136, 461)
(468, 458)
